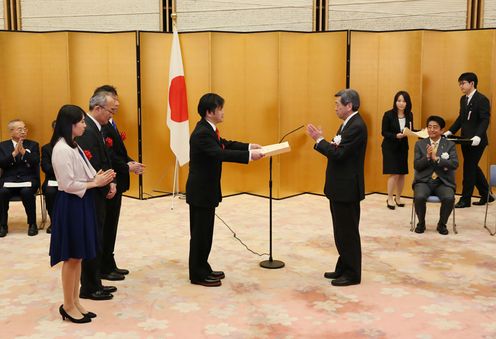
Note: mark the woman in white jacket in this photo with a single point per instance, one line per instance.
(73, 235)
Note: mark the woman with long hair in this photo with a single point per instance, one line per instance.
(395, 146)
(74, 224)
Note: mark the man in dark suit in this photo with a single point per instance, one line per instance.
(49, 186)
(435, 164)
(93, 145)
(122, 165)
(473, 121)
(19, 164)
(344, 185)
(203, 192)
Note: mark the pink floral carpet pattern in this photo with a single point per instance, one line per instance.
(413, 286)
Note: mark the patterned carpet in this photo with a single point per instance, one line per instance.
(413, 286)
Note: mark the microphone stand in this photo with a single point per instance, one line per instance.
(271, 263)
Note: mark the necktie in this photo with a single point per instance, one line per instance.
(434, 150)
(218, 137)
(113, 124)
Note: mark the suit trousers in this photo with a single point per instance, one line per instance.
(113, 211)
(472, 173)
(28, 198)
(201, 226)
(345, 222)
(90, 269)
(422, 191)
(50, 192)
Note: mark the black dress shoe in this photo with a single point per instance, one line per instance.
(391, 207)
(208, 282)
(121, 271)
(49, 229)
(420, 228)
(65, 316)
(462, 204)
(4, 229)
(332, 275)
(483, 201)
(89, 315)
(98, 295)
(217, 275)
(442, 229)
(344, 281)
(112, 276)
(399, 205)
(32, 230)
(109, 289)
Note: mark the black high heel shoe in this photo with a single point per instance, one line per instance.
(399, 205)
(89, 315)
(391, 207)
(64, 315)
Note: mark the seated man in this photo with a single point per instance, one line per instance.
(19, 162)
(50, 186)
(435, 163)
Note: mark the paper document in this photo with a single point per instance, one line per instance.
(275, 149)
(420, 134)
(17, 184)
(52, 183)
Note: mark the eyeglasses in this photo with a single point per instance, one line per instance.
(460, 83)
(20, 129)
(106, 109)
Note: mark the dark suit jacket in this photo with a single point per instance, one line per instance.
(118, 157)
(477, 123)
(445, 169)
(46, 164)
(345, 162)
(205, 165)
(391, 127)
(25, 168)
(92, 141)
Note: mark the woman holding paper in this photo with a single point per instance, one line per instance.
(395, 146)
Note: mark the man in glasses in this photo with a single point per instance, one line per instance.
(473, 121)
(19, 164)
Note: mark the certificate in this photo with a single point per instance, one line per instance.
(275, 149)
(420, 134)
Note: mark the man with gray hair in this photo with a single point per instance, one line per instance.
(19, 164)
(344, 185)
(93, 145)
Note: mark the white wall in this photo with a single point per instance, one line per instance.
(245, 15)
(91, 15)
(489, 14)
(385, 15)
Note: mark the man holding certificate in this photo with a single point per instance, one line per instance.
(203, 192)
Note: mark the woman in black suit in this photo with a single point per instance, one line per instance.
(395, 146)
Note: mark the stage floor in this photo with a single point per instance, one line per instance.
(413, 286)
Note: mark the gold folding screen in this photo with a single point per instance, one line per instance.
(273, 82)
(40, 72)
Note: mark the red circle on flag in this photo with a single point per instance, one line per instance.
(178, 101)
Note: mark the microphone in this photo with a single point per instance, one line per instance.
(285, 135)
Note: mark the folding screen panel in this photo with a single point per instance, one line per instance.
(97, 59)
(312, 68)
(381, 65)
(34, 73)
(445, 56)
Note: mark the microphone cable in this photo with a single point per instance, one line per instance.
(238, 239)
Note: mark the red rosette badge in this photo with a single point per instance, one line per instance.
(123, 136)
(109, 142)
(88, 154)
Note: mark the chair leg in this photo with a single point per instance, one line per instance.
(412, 218)
(454, 219)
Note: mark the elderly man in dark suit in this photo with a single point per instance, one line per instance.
(203, 192)
(93, 145)
(473, 121)
(435, 164)
(122, 165)
(344, 185)
(19, 164)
